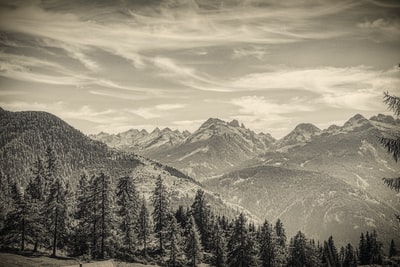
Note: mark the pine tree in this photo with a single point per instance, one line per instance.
(392, 144)
(267, 245)
(105, 215)
(82, 216)
(56, 202)
(14, 230)
(193, 249)
(241, 248)
(175, 243)
(202, 216)
(392, 249)
(330, 255)
(375, 249)
(219, 247)
(363, 251)
(281, 253)
(128, 211)
(143, 226)
(160, 213)
(350, 259)
(298, 250)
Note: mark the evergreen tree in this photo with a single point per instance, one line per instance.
(143, 227)
(281, 253)
(82, 216)
(392, 144)
(375, 249)
(330, 255)
(350, 259)
(363, 252)
(160, 213)
(56, 201)
(392, 249)
(14, 230)
(202, 216)
(128, 211)
(193, 249)
(267, 245)
(241, 248)
(181, 216)
(298, 250)
(219, 247)
(175, 250)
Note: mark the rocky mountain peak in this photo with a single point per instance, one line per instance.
(211, 121)
(234, 123)
(307, 128)
(383, 118)
(357, 122)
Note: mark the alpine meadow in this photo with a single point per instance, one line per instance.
(226, 133)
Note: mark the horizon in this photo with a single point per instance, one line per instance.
(150, 130)
(112, 66)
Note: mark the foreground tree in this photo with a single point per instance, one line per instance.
(128, 211)
(392, 144)
(143, 226)
(161, 212)
(241, 247)
(267, 245)
(193, 248)
(56, 206)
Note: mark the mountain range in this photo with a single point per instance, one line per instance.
(324, 182)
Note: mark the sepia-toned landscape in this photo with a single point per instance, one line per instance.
(199, 133)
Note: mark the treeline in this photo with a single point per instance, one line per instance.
(102, 220)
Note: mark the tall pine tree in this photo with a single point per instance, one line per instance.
(143, 226)
(241, 247)
(267, 245)
(161, 211)
(193, 249)
(128, 211)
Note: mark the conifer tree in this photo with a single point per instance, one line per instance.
(56, 201)
(267, 245)
(392, 144)
(14, 230)
(193, 249)
(281, 253)
(82, 216)
(143, 226)
(350, 259)
(330, 255)
(392, 249)
(219, 247)
(105, 215)
(175, 243)
(128, 211)
(298, 250)
(202, 216)
(241, 248)
(160, 213)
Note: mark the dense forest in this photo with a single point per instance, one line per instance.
(104, 219)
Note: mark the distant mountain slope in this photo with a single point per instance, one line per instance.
(214, 147)
(135, 140)
(318, 204)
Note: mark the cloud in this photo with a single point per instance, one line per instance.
(169, 106)
(381, 29)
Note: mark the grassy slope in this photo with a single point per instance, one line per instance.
(14, 260)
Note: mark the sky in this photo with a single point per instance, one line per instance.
(111, 66)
